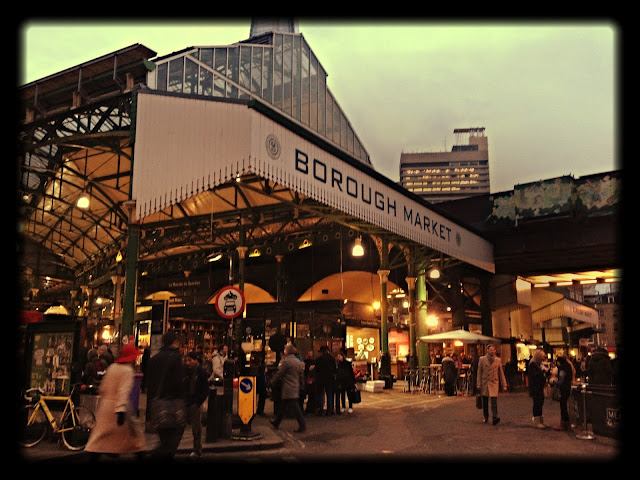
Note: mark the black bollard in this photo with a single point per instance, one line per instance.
(213, 416)
(226, 409)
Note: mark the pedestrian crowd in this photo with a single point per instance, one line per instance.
(323, 385)
(554, 379)
(177, 388)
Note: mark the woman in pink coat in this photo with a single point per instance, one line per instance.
(117, 429)
(490, 379)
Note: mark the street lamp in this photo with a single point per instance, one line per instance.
(357, 250)
(214, 257)
(83, 202)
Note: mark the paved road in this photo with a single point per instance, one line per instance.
(393, 426)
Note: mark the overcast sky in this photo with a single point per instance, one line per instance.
(546, 92)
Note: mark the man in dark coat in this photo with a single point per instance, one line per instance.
(325, 378)
(450, 373)
(599, 368)
(566, 377)
(166, 374)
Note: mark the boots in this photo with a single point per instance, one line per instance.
(537, 421)
(562, 426)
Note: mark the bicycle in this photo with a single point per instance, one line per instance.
(74, 425)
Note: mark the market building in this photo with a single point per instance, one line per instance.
(231, 166)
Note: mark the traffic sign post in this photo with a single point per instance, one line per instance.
(247, 407)
(229, 303)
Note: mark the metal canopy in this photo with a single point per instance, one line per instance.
(74, 140)
(65, 247)
(77, 139)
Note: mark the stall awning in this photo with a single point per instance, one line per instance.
(548, 305)
(461, 335)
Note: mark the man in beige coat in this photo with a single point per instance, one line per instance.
(489, 381)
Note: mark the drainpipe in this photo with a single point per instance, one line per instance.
(131, 271)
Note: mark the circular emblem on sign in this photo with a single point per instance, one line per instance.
(273, 146)
(246, 385)
(229, 302)
(458, 239)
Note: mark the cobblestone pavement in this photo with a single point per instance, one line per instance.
(393, 425)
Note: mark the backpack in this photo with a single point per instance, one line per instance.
(98, 366)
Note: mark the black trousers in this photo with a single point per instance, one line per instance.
(342, 396)
(538, 402)
(290, 405)
(494, 406)
(564, 411)
(169, 442)
(325, 392)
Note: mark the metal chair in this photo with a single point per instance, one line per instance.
(425, 380)
(410, 380)
(462, 384)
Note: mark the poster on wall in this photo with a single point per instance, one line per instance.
(51, 362)
(365, 343)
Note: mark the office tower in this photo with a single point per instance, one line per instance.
(443, 176)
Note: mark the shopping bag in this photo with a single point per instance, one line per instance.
(355, 396)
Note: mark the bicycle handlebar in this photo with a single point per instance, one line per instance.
(42, 392)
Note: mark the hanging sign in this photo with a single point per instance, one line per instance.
(229, 302)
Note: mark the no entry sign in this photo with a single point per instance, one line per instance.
(229, 302)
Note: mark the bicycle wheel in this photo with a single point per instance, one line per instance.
(33, 432)
(76, 427)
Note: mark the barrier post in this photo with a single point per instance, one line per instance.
(585, 435)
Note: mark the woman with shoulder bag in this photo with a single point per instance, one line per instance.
(345, 382)
(537, 382)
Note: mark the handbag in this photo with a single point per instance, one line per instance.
(355, 396)
(478, 401)
(168, 413)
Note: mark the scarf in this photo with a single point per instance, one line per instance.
(491, 358)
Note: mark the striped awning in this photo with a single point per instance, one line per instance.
(548, 305)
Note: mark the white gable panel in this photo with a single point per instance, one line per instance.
(184, 146)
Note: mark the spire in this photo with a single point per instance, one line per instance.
(260, 26)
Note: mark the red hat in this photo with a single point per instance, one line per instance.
(128, 353)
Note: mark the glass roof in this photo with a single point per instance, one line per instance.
(277, 68)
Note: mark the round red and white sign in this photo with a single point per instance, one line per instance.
(229, 302)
